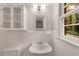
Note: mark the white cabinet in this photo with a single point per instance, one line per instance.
(13, 18)
(13, 51)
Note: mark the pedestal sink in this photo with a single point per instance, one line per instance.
(40, 48)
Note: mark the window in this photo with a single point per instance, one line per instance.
(71, 20)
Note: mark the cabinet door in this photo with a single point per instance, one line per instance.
(17, 18)
(6, 17)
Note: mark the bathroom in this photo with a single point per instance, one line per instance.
(25, 37)
(16, 41)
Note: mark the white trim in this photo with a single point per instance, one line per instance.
(72, 24)
(12, 17)
(70, 40)
(24, 17)
(14, 29)
(69, 13)
(67, 5)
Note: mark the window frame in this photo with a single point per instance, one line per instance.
(62, 23)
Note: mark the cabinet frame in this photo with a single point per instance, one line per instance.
(23, 16)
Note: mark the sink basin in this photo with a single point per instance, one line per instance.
(40, 48)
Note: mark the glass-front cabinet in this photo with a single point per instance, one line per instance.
(13, 17)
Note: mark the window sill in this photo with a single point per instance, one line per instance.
(71, 40)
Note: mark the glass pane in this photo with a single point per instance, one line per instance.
(6, 17)
(17, 14)
(17, 18)
(17, 25)
(68, 20)
(77, 17)
(17, 10)
(39, 21)
(72, 30)
(72, 19)
(6, 10)
(6, 24)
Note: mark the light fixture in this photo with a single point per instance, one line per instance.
(43, 6)
(34, 7)
(38, 7)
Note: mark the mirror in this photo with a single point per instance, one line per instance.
(40, 22)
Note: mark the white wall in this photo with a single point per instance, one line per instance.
(17, 38)
(63, 48)
(31, 16)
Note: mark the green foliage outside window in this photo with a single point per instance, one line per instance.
(73, 29)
